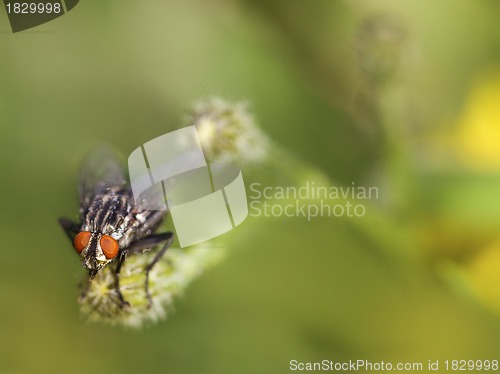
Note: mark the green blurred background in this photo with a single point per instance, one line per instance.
(400, 95)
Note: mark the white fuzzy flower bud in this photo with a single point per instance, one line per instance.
(228, 132)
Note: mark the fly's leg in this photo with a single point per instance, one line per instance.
(69, 227)
(158, 256)
(121, 259)
(147, 244)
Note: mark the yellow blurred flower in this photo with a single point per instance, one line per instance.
(478, 136)
(483, 276)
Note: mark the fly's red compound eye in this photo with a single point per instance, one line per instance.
(109, 246)
(81, 241)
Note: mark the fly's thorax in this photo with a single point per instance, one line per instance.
(108, 210)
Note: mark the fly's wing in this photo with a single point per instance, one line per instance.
(101, 169)
(151, 199)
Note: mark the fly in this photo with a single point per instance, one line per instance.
(111, 225)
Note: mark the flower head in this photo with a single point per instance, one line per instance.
(168, 279)
(227, 131)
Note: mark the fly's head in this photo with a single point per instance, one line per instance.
(96, 250)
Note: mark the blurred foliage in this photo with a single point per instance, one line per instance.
(401, 95)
